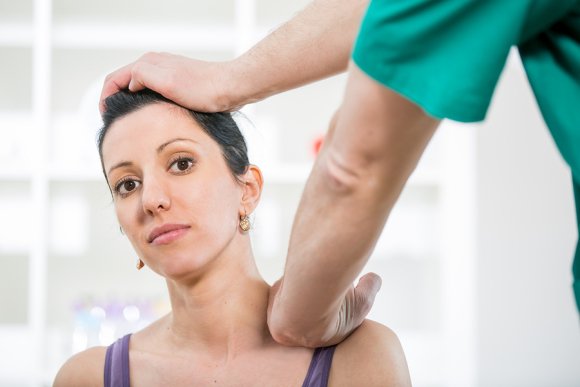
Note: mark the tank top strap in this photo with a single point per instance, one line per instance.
(117, 363)
(319, 369)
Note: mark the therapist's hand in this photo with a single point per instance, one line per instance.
(355, 306)
(191, 83)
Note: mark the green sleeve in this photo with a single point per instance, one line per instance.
(445, 56)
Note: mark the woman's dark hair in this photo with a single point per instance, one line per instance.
(219, 126)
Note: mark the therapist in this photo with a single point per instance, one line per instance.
(414, 63)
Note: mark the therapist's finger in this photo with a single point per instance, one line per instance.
(355, 307)
(146, 75)
(365, 292)
(114, 82)
(120, 79)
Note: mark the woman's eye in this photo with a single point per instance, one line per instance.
(181, 165)
(127, 186)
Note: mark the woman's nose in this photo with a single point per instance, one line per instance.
(154, 196)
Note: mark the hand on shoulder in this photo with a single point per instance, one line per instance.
(83, 369)
(371, 356)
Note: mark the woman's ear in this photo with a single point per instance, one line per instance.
(252, 182)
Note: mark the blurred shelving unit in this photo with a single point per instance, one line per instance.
(61, 245)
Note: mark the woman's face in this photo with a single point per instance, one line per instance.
(175, 198)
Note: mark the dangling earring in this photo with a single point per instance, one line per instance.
(140, 264)
(121, 230)
(245, 223)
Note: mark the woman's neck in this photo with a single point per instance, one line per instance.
(224, 312)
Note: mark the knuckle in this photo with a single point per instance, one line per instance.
(148, 56)
(170, 83)
(137, 69)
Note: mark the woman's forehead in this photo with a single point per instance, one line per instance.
(151, 125)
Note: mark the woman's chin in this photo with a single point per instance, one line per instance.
(181, 269)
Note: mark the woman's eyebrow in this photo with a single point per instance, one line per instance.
(162, 146)
(120, 165)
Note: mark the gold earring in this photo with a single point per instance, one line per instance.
(140, 264)
(245, 223)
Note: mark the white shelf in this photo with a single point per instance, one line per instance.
(144, 37)
(152, 12)
(15, 34)
(15, 175)
(72, 175)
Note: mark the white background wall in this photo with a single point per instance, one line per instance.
(528, 330)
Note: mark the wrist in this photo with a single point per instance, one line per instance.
(230, 87)
(223, 88)
(240, 84)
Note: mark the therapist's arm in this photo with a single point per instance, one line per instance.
(374, 145)
(314, 44)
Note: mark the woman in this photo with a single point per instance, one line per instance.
(183, 189)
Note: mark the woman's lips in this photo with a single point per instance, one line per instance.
(167, 233)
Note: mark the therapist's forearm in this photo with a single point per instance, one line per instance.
(357, 178)
(314, 44)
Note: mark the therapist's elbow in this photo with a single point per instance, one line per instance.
(295, 336)
(343, 174)
(289, 330)
(353, 174)
(287, 336)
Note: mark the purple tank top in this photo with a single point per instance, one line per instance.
(117, 365)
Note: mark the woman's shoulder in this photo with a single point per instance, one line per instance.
(86, 368)
(371, 356)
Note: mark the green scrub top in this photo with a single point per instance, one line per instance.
(447, 55)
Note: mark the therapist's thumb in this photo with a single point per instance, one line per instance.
(365, 292)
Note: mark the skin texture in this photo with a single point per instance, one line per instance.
(216, 333)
